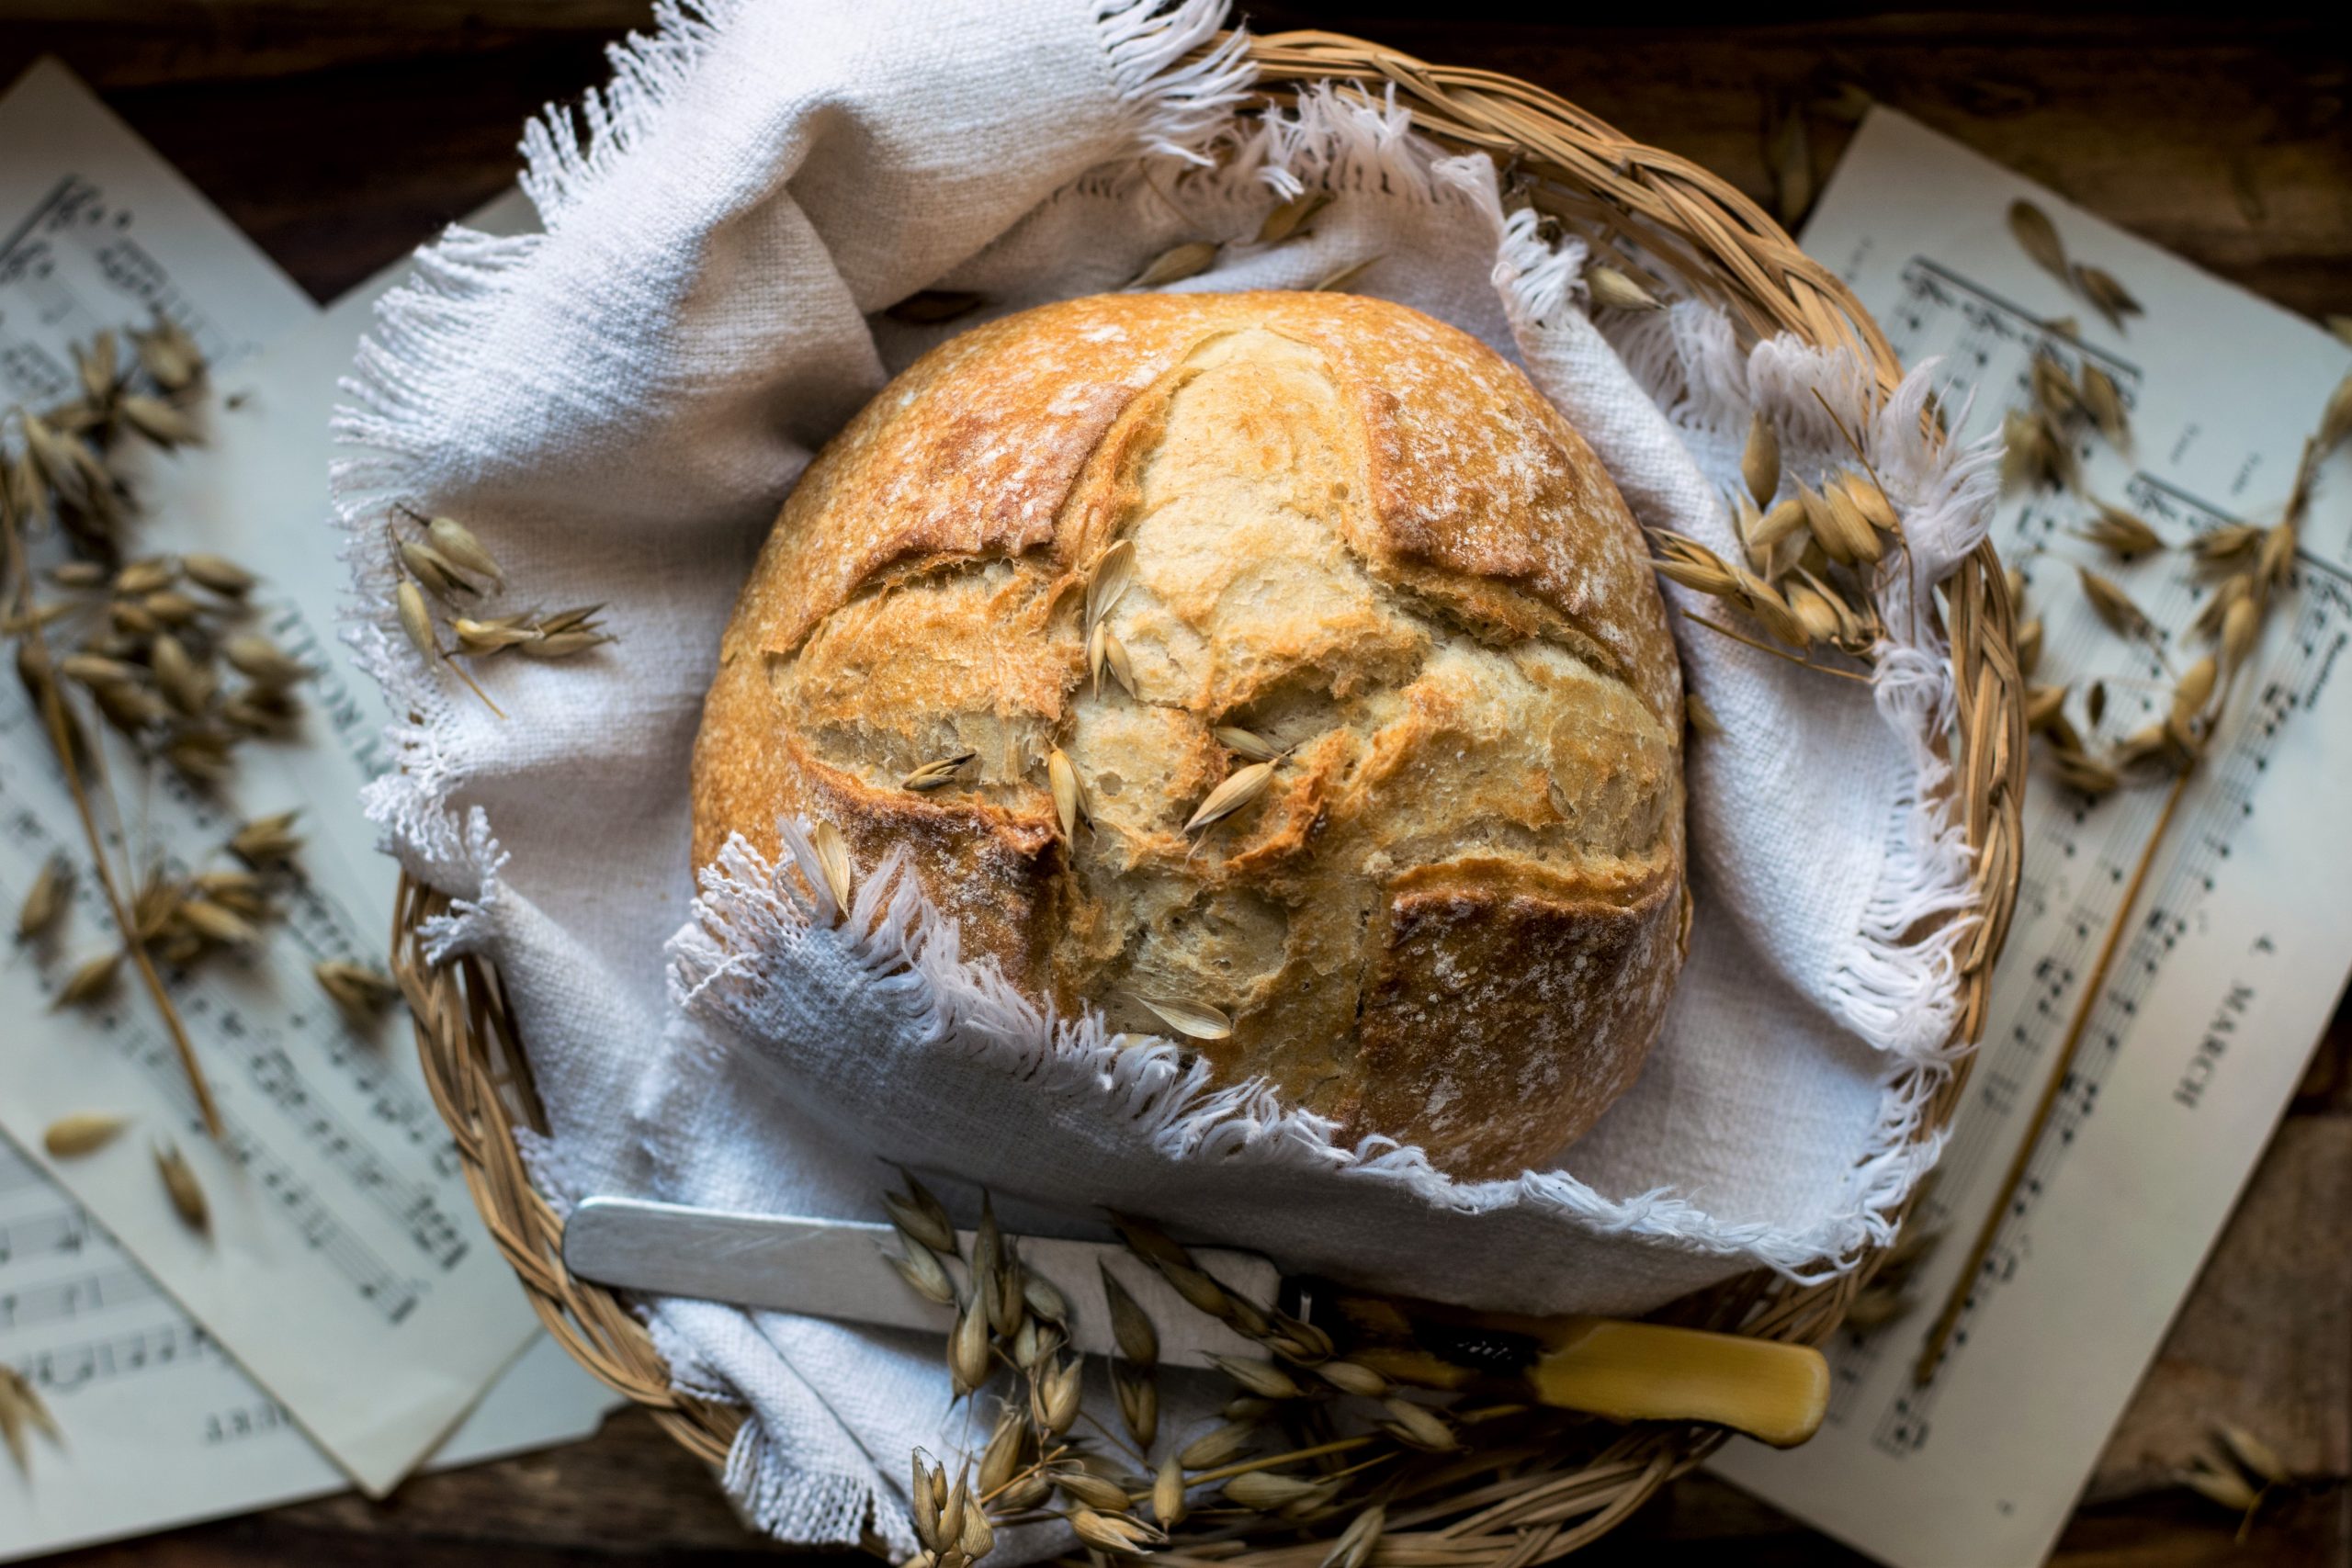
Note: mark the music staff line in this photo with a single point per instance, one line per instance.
(74, 212)
(1938, 285)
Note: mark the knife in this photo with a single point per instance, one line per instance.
(837, 1268)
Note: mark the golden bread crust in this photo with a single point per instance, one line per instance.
(1452, 915)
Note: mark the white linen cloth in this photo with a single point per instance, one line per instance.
(619, 405)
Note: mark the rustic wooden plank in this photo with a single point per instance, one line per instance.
(2261, 1339)
(2158, 123)
(628, 1492)
(633, 1484)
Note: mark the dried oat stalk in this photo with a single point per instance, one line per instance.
(442, 562)
(2252, 569)
(1273, 1468)
(2037, 235)
(154, 648)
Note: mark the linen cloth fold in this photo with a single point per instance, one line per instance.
(619, 405)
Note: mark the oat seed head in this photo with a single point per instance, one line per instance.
(2260, 1458)
(1131, 1327)
(1174, 266)
(1759, 463)
(181, 1186)
(2121, 532)
(1114, 570)
(415, 619)
(1288, 218)
(1196, 1020)
(1614, 290)
(2104, 402)
(2114, 606)
(456, 544)
(46, 901)
(218, 573)
(1240, 787)
(2106, 293)
(90, 980)
(937, 774)
(359, 991)
(1068, 793)
(2228, 1488)
(1247, 743)
(266, 841)
(1338, 280)
(2038, 235)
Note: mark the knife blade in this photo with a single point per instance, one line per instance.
(837, 1268)
(1616, 1368)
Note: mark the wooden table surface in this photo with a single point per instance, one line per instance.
(339, 135)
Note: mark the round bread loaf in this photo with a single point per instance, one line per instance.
(1453, 909)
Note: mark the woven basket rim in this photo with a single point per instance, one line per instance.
(1721, 245)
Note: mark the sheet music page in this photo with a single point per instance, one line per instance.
(2238, 949)
(345, 1270)
(161, 1426)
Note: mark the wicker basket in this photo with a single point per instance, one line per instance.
(1514, 1509)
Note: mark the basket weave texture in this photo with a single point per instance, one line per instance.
(1512, 1508)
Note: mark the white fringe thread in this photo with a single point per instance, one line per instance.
(425, 334)
(426, 329)
(1899, 989)
(767, 943)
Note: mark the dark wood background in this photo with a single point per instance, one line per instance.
(339, 135)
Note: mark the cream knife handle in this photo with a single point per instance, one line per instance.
(1649, 1371)
(1612, 1366)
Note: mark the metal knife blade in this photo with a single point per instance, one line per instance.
(835, 1269)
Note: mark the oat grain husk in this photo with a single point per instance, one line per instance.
(937, 774)
(1290, 216)
(2039, 237)
(46, 901)
(182, 1187)
(1614, 290)
(83, 1133)
(1195, 1021)
(1175, 264)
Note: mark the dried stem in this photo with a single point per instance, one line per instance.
(1939, 1339)
(1939, 1335)
(1775, 652)
(62, 741)
(1269, 1462)
(475, 687)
